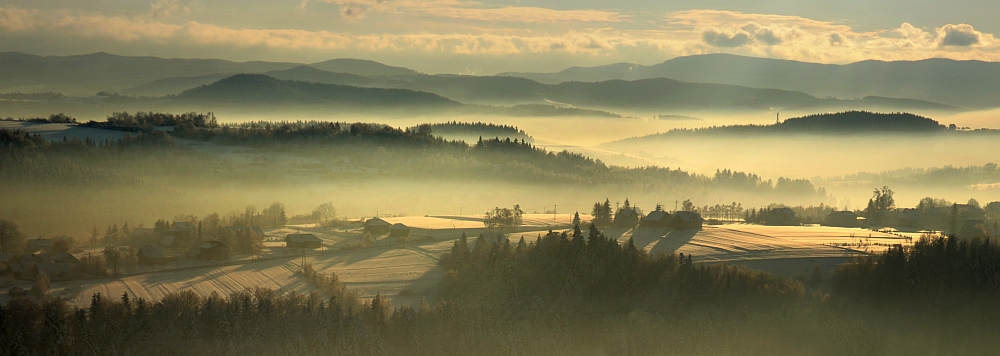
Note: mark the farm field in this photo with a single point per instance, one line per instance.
(412, 270)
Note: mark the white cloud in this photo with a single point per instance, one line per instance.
(165, 9)
(470, 10)
(684, 33)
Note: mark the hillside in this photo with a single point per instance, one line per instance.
(95, 72)
(851, 122)
(362, 67)
(967, 84)
(613, 95)
(263, 90)
(137, 75)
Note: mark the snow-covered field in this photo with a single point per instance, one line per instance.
(413, 270)
(56, 132)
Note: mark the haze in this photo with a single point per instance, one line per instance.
(530, 177)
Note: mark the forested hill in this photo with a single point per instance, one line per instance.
(860, 121)
(263, 89)
(850, 122)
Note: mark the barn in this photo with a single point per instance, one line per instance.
(656, 219)
(687, 220)
(303, 241)
(152, 255)
(399, 230)
(377, 226)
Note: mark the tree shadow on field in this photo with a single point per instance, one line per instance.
(673, 241)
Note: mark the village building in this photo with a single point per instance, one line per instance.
(309, 241)
(57, 270)
(171, 242)
(842, 219)
(781, 217)
(152, 255)
(213, 250)
(684, 220)
(626, 217)
(377, 226)
(911, 219)
(399, 230)
(656, 219)
(36, 245)
(975, 228)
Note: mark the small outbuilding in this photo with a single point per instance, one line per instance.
(213, 250)
(657, 219)
(910, 218)
(309, 241)
(152, 255)
(377, 226)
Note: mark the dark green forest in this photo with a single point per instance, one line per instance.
(568, 293)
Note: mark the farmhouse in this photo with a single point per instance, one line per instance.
(377, 226)
(303, 241)
(36, 245)
(656, 219)
(152, 255)
(213, 250)
(781, 217)
(626, 217)
(910, 219)
(399, 230)
(57, 270)
(170, 242)
(842, 219)
(687, 220)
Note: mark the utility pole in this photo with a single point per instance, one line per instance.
(675, 205)
(555, 209)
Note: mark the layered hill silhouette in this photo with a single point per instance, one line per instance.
(259, 89)
(707, 82)
(966, 84)
(613, 95)
(91, 73)
(850, 123)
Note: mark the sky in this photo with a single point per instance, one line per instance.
(491, 36)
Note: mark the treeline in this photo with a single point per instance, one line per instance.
(49, 95)
(565, 293)
(941, 271)
(948, 175)
(578, 270)
(482, 129)
(59, 118)
(31, 158)
(854, 122)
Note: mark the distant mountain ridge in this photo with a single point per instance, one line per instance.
(849, 122)
(698, 88)
(966, 84)
(614, 95)
(91, 73)
(260, 89)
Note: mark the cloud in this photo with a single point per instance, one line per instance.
(165, 9)
(470, 10)
(959, 35)
(685, 33)
(18, 19)
(719, 39)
